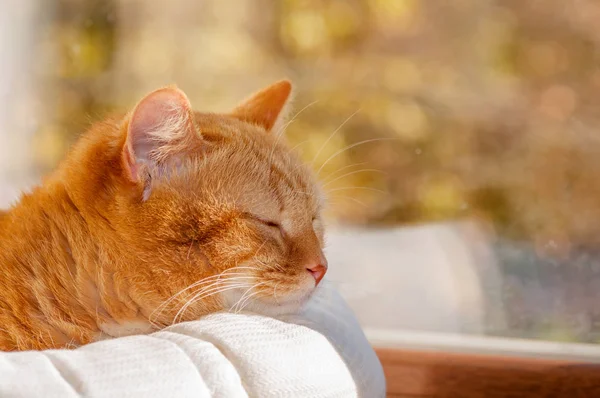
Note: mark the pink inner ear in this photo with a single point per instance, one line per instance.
(160, 122)
(145, 120)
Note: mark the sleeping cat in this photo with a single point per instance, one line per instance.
(160, 216)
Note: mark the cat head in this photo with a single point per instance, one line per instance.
(207, 211)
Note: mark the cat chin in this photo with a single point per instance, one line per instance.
(292, 304)
(272, 309)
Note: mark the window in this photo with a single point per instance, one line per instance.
(458, 141)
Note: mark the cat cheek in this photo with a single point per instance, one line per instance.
(316, 223)
(318, 228)
(272, 239)
(195, 255)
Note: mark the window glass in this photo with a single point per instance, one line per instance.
(458, 141)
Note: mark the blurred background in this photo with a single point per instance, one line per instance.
(459, 141)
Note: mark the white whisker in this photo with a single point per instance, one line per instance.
(332, 135)
(299, 144)
(275, 292)
(204, 294)
(280, 133)
(351, 173)
(285, 126)
(244, 295)
(341, 169)
(245, 303)
(190, 248)
(212, 278)
(363, 188)
(351, 199)
(274, 266)
(350, 147)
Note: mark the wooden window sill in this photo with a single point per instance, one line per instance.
(462, 373)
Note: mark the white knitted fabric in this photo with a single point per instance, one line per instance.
(222, 355)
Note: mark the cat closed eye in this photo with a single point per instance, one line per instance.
(271, 224)
(274, 227)
(265, 222)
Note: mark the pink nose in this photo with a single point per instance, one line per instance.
(318, 272)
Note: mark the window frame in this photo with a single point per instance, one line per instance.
(420, 373)
(422, 364)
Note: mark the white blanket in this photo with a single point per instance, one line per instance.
(321, 353)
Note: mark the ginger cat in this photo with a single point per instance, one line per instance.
(161, 216)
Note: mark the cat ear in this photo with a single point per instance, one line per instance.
(160, 127)
(266, 108)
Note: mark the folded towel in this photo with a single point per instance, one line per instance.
(321, 352)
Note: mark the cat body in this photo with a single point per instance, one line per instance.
(159, 216)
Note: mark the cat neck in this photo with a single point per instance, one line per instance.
(59, 276)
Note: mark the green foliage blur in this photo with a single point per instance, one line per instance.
(484, 108)
(411, 110)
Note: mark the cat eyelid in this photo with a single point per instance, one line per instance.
(272, 224)
(268, 223)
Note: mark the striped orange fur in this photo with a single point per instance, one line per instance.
(159, 216)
